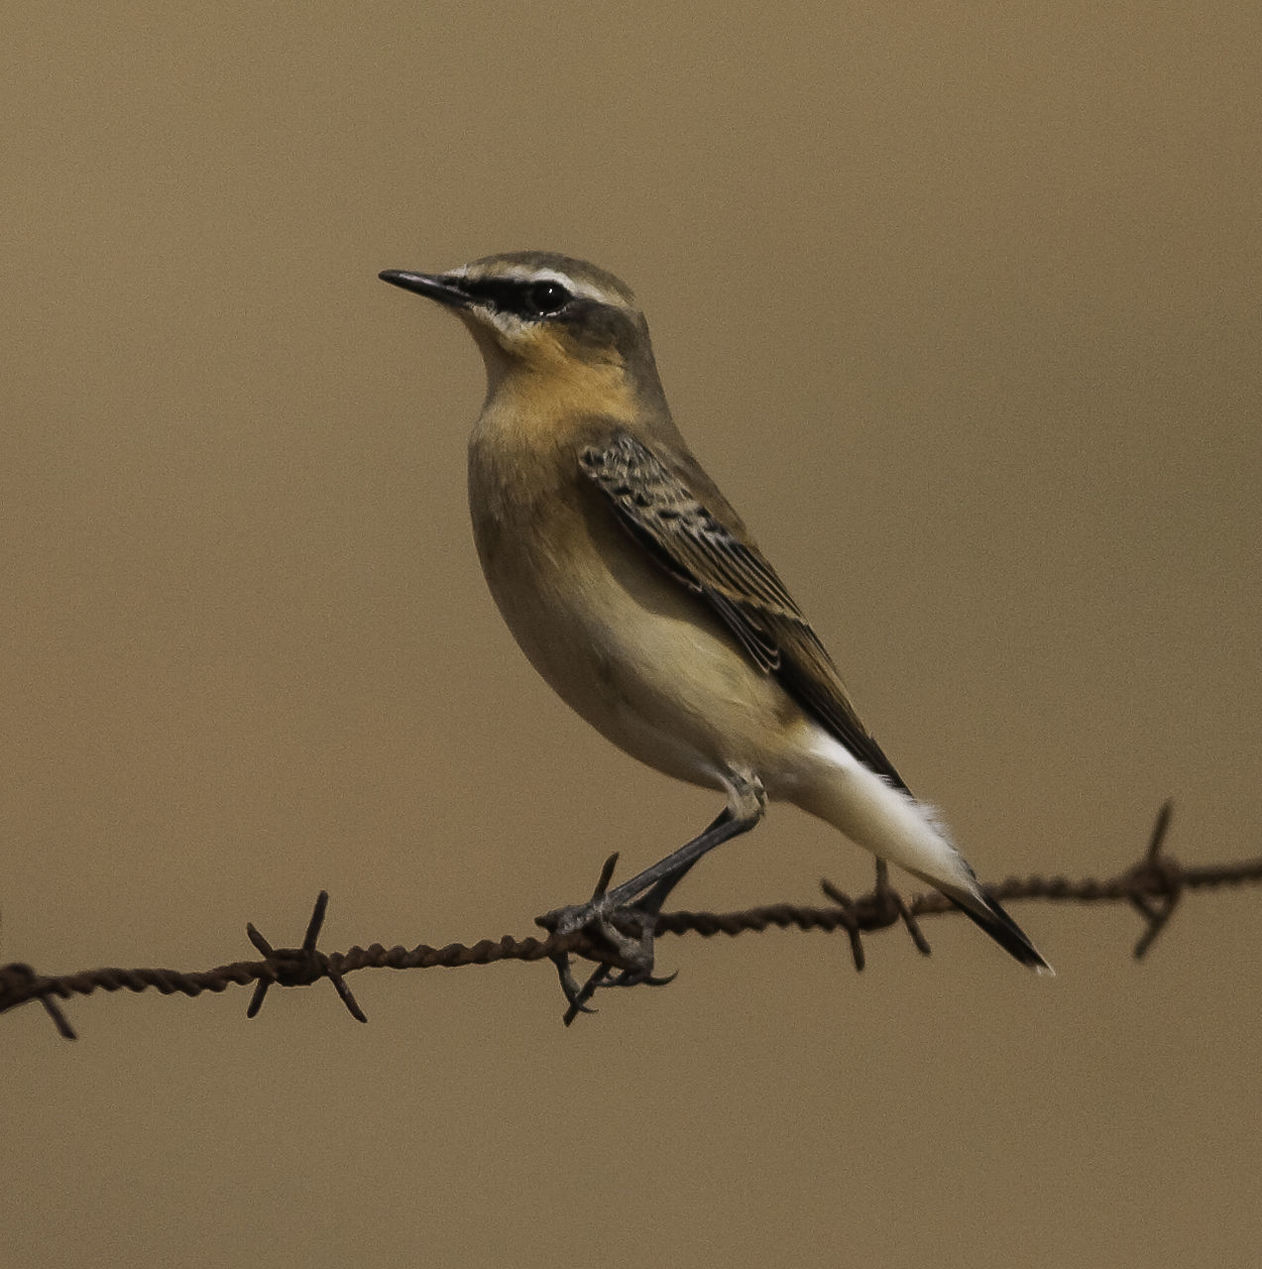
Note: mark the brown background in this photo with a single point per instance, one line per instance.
(959, 302)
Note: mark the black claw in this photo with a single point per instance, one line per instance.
(659, 980)
(569, 984)
(578, 1003)
(637, 978)
(570, 988)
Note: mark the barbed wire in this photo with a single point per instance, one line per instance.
(1153, 887)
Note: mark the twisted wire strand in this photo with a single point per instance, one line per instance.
(1153, 887)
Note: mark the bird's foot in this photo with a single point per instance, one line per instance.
(625, 929)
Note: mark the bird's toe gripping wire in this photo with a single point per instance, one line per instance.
(600, 918)
(624, 919)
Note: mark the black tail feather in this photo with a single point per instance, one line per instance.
(1004, 930)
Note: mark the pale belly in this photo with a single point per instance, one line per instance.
(639, 656)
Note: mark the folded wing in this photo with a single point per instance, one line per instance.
(687, 526)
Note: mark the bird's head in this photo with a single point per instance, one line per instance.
(547, 315)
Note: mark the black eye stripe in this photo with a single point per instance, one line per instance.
(496, 291)
(526, 299)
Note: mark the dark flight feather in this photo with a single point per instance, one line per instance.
(690, 530)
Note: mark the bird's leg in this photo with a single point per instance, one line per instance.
(643, 895)
(647, 907)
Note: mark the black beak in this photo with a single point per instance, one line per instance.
(443, 289)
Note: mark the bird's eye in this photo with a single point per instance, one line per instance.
(546, 298)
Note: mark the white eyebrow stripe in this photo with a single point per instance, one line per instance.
(584, 290)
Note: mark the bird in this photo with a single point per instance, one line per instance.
(636, 591)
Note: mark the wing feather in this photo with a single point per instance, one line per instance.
(692, 534)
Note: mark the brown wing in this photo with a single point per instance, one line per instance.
(663, 511)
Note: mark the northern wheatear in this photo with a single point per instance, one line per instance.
(637, 592)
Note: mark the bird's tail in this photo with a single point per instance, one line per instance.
(890, 823)
(987, 914)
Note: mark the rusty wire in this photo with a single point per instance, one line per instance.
(1153, 887)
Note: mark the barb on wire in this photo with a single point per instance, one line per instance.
(301, 966)
(1158, 888)
(1154, 887)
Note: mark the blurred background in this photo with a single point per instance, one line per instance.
(958, 302)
